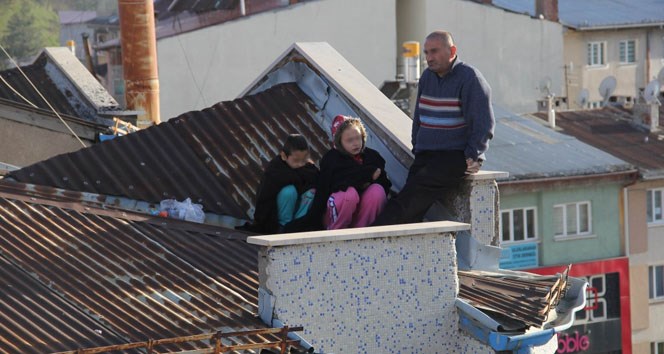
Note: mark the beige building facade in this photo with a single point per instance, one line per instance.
(645, 228)
(634, 56)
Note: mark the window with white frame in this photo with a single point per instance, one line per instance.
(627, 50)
(518, 224)
(654, 205)
(596, 53)
(656, 282)
(572, 219)
(657, 348)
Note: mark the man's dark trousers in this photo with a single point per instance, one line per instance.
(431, 177)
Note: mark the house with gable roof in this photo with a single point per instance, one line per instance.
(29, 129)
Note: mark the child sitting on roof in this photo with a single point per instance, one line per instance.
(286, 189)
(353, 186)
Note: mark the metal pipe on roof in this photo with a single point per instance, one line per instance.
(139, 59)
(88, 54)
(631, 174)
(647, 57)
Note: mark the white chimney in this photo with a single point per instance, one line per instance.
(411, 61)
(654, 116)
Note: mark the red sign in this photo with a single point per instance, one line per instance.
(572, 343)
(615, 265)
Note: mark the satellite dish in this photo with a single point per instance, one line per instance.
(545, 85)
(651, 91)
(606, 88)
(582, 98)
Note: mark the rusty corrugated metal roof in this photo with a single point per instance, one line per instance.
(131, 276)
(214, 156)
(37, 320)
(514, 299)
(612, 130)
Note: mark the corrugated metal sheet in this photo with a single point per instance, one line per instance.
(610, 129)
(527, 148)
(75, 17)
(214, 156)
(526, 300)
(596, 13)
(137, 278)
(37, 320)
(194, 15)
(201, 5)
(36, 72)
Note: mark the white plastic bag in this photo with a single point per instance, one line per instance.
(185, 210)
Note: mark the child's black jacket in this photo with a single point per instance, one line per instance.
(338, 171)
(278, 175)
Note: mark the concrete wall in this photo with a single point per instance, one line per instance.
(655, 326)
(646, 249)
(23, 144)
(514, 52)
(200, 68)
(630, 77)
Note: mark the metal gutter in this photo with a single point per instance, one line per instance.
(615, 27)
(610, 176)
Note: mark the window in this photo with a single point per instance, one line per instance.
(627, 52)
(572, 219)
(518, 225)
(596, 53)
(654, 205)
(657, 348)
(656, 281)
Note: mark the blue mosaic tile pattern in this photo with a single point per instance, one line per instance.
(483, 207)
(381, 295)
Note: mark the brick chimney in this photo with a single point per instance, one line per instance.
(548, 9)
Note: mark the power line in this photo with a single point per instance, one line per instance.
(42, 96)
(17, 93)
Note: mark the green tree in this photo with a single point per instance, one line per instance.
(27, 26)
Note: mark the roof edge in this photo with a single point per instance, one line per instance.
(112, 206)
(630, 174)
(81, 78)
(340, 74)
(614, 26)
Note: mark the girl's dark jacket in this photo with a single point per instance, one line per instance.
(338, 171)
(278, 175)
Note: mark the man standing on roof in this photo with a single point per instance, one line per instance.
(452, 126)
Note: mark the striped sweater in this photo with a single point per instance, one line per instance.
(453, 112)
